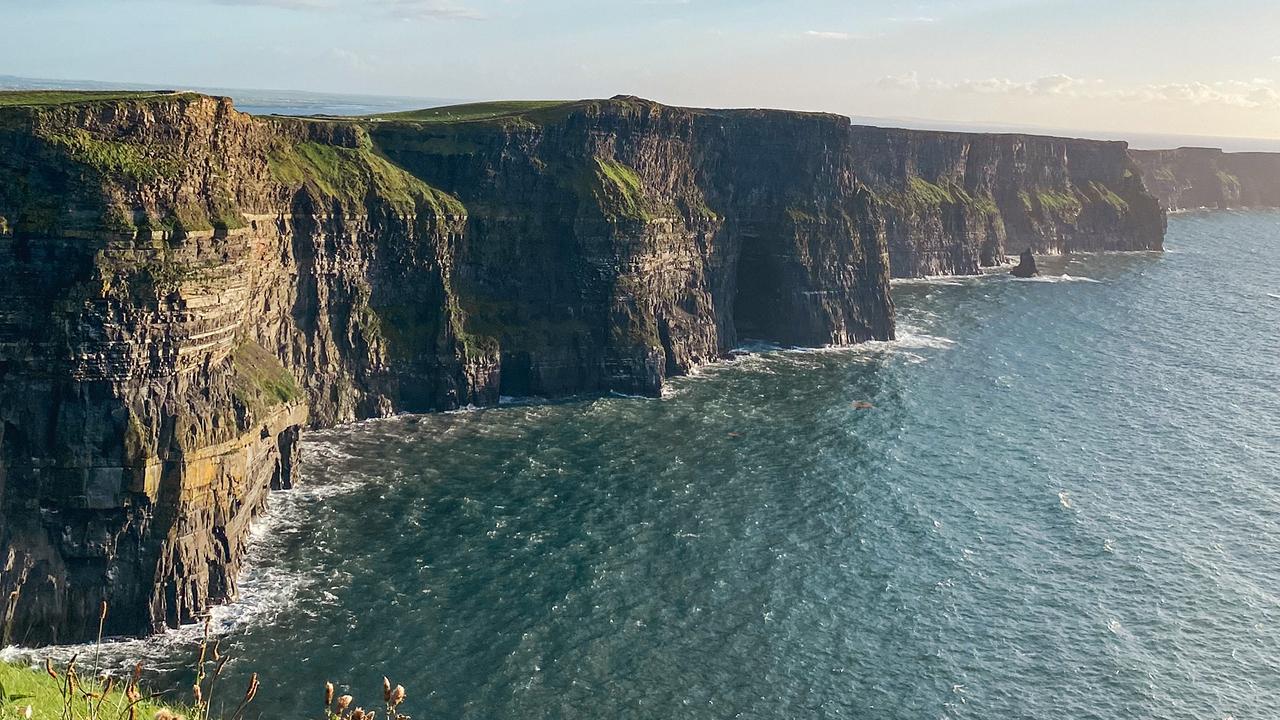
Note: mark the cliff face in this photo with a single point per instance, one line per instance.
(183, 283)
(612, 244)
(1191, 178)
(190, 286)
(956, 202)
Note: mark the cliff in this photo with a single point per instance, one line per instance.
(1191, 178)
(956, 202)
(190, 286)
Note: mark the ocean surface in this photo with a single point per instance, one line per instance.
(1065, 503)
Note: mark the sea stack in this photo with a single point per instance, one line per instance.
(1026, 265)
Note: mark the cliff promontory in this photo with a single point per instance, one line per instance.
(1190, 178)
(189, 286)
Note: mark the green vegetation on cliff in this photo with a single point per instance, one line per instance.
(921, 196)
(351, 175)
(620, 191)
(260, 380)
(1051, 201)
(115, 157)
(36, 98)
(472, 111)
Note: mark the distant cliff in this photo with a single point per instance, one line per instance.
(189, 286)
(1192, 178)
(955, 202)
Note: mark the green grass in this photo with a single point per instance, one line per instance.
(23, 686)
(37, 98)
(621, 188)
(113, 157)
(1109, 196)
(1049, 201)
(922, 196)
(472, 111)
(261, 381)
(348, 174)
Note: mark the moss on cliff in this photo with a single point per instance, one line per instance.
(1062, 203)
(260, 380)
(113, 157)
(621, 192)
(1109, 196)
(353, 176)
(921, 196)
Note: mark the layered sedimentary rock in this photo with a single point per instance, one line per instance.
(1190, 178)
(190, 286)
(956, 202)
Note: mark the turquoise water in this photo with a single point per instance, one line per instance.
(1065, 503)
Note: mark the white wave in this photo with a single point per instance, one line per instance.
(1063, 278)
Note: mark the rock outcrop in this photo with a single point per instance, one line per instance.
(190, 286)
(1026, 266)
(1191, 178)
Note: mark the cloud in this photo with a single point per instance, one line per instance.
(429, 10)
(1249, 94)
(399, 9)
(907, 81)
(828, 35)
(287, 4)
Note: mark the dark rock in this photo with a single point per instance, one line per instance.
(954, 203)
(1190, 178)
(1026, 265)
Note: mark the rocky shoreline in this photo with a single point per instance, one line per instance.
(191, 286)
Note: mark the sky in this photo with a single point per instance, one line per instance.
(1151, 66)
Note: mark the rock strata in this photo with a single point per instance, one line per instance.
(1191, 178)
(189, 287)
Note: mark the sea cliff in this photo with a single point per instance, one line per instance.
(1190, 178)
(190, 286)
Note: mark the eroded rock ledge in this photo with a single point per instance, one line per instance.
(188, 286)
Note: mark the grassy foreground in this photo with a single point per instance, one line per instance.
(22, 687)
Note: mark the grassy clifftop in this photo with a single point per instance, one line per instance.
(471, 111)
(40, 98)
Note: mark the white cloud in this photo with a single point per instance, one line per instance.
(1255, 93)
(429, 9)
(829, 35)
(288, 4)
(400, 9)
(906, 81)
